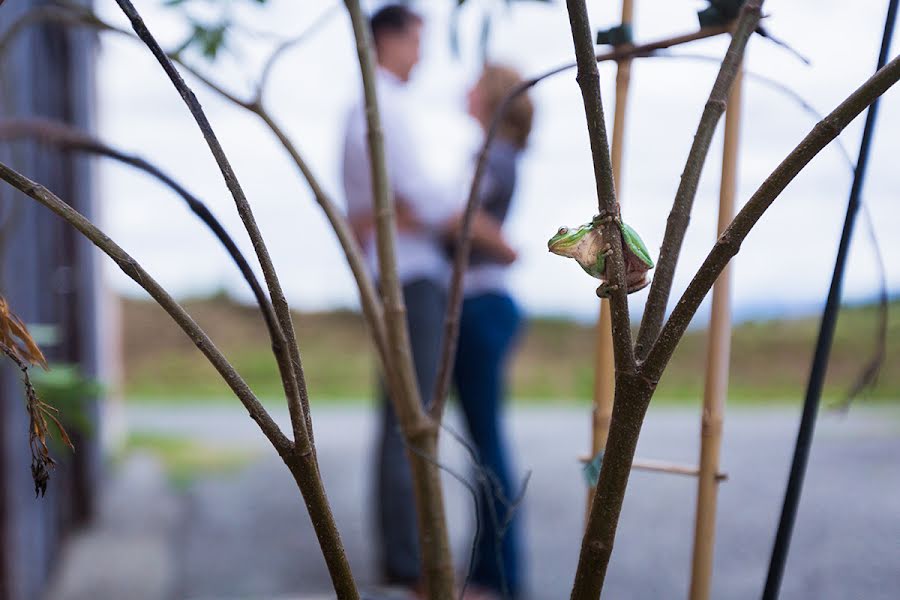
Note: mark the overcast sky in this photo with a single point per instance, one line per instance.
(785, 265)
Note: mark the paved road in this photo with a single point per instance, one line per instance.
(246, 535)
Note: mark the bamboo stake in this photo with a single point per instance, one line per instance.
(604, 371)
(717, 362)
(663, 466)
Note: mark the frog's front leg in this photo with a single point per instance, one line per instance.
(598, 269)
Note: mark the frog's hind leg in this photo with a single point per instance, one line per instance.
(636, 287)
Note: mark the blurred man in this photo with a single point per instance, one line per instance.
(427, 214)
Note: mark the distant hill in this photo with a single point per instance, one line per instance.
(769, 360)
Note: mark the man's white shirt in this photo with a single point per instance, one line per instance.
(420, 254)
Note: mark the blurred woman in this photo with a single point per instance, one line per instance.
(489, 324)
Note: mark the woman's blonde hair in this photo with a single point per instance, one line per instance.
(497, 81)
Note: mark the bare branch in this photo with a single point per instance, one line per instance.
(71, 15)
(368, 296)
(408, 411)
(295, 384)
(418, 430)
(288, 44)
(371, 305)
(68, 137)
(589, 81)
(298, 402)
(680, 215)
(730, 241)
(136, 272)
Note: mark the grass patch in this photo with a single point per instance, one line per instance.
(553, 364)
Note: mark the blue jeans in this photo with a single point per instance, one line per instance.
(487, 331)
(395, 508)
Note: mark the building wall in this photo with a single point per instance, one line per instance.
(48, 275)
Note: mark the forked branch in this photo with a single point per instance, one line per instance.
(730, 241)
(463, 243)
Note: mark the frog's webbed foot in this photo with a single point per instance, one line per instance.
(607, 217)
(606, 289)
(603, 218)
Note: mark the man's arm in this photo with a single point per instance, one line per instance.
(487, 236)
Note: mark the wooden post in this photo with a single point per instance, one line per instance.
(604, 372)
(47, 274)
(717, 363)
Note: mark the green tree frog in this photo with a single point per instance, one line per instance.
(588, 246)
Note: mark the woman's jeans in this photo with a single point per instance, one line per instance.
(488, 329)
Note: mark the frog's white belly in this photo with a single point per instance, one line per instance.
(588, 250)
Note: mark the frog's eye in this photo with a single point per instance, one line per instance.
(562, 231)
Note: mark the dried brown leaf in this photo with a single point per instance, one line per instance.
(14, 334)
(63, 435)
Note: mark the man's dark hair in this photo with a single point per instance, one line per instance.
(392, 18)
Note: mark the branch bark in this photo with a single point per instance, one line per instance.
(680, 215)
(418, 429)
(634, 391)
(64, 136)
(589, 81)
(67, 137)
(136, 272)
(301, 461)
(371, 305)
(730, 241)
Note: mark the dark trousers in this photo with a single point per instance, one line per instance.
(487, 331)
(395, 505)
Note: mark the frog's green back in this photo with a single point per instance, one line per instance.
(636, 244)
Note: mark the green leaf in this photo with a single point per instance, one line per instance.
(591, 470)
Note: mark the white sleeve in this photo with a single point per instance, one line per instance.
(432, 202)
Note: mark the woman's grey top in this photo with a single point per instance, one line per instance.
(495, 194)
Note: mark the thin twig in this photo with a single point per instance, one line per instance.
(66, 15)
(136, 272)
(295, 388)
(492, 488)
(68, 137)
(295, 384)
(369, 301)
(472, 492)
(680, 215)
(288, 44)
(730, 241)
